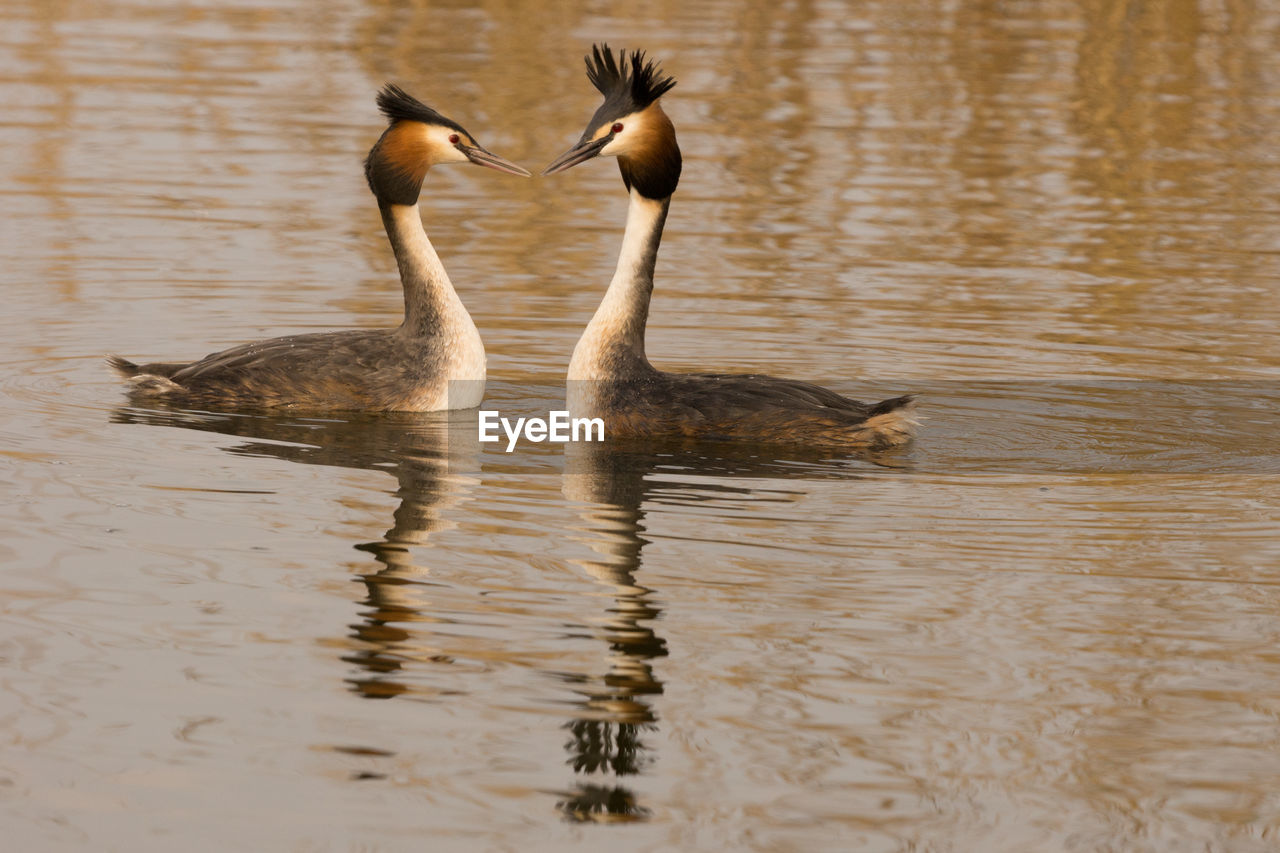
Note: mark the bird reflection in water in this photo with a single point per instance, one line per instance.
(608, 737)
(611, 484)
(395, 589)
(426, 453)
(612, 713)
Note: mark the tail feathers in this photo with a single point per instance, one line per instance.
(145, 379)
(150, 385)
(884, 407)
(891, 422)
(129, 370)
(123, 366)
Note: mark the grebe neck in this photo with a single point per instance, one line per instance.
(613, 344)
(431, 305)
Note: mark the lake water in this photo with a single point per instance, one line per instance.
(1050, 625)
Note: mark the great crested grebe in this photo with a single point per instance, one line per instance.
(404, 369)
(610, 377)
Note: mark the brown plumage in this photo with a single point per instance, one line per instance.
(357, 370)
(433, 360)
(610, 376)
(736, 406)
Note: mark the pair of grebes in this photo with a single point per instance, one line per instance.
(435, 360)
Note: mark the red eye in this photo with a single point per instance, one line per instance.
(453, 139)
(617, 128)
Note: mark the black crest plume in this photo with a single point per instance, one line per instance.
(392, 182)
(398, 105)
(628, 83)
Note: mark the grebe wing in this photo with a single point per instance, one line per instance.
(755, 392)
(752, 407)
(350, 350)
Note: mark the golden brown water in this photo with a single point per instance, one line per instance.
(1051, 626)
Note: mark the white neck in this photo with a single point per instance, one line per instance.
(431, 305)
(435, 316)
(613, 343)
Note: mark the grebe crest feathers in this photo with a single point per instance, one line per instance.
(629, 83)
(398, 105)
(417, 138)
(630, 124)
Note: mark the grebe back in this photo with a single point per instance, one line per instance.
(610, 376)
(404, 369)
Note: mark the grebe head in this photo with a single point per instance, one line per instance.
(417, 139)
(630, 124)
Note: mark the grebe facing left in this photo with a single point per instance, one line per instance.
(610, 376)
(404, 369)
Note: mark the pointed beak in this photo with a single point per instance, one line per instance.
(580, 153)
(480, 157)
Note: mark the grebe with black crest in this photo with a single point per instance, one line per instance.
(408, 368)
(610, 375)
